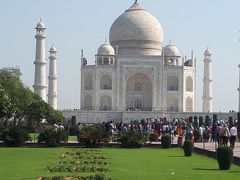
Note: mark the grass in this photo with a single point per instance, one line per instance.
(126, 164)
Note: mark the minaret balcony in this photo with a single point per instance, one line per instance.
(40, 62)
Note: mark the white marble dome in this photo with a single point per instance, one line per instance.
(106, 49)
(136, 28)
(171, 50)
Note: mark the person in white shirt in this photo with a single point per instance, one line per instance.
(233, 136)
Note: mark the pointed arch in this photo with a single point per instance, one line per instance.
(189, 104)
(106, 82)
(189, 84)
(172, 83)
(88, 82)
(105, 103)
(88, 102)
(139, 92)
(172, 103)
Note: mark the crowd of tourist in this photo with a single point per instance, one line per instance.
(220, 132)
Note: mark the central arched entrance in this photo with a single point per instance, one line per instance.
(139, 92)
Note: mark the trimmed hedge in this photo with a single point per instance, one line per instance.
(14, 136)
(52, 137)
(133, 139)
(153, 137)
(91, 136)
(188, 148)
(166, 141)
(224, 157)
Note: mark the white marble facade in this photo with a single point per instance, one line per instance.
(135, 72)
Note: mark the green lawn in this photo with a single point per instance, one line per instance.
(130, 164)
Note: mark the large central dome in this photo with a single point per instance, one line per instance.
(137, 32)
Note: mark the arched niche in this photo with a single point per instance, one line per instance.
(139, 92)
(189, 104)
(106, 82)
(189, 84)
(172, 103)
(105, 103)
(88, 102)
(88, 82)
(172, 83)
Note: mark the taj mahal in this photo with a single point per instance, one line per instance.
(134, 76)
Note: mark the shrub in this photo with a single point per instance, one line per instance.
(195, 122)
(92, 136)
(52, 137)
(166, 141)
(153, 137)
(230, 122)
(188, 148)
(29, 129)
(200, 121)
(73, 131)
(133, 139)
(14, 137)
(207, 120)
(224, 157)
(214, 118)
(190, 119)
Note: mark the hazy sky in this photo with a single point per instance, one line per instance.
(80, 24)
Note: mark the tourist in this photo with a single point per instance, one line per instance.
(233, 136)
(218, 130)
(224, 135)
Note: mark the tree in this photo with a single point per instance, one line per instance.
(230, 122)
(207, 120)
(200, 121)
(214, 118)
(37, 111)
(15, 96)
(6, 108)
(195, 122)
(54, 116)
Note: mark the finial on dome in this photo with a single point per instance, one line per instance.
(170, 41)
(136, 1)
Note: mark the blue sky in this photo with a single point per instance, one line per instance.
(73, 25)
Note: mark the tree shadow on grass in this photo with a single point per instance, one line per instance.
(206, 169)
(237, 172)
(176, 156)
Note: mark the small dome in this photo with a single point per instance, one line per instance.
(40, 25)
(53, 49)
(106, 49)
(171, 50)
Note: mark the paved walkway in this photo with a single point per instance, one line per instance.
(211, 146)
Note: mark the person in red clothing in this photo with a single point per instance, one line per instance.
(218, 130)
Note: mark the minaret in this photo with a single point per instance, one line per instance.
(52, 86)
(239, 90)
(39, 86)
(207, 82)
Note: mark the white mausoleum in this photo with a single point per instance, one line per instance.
(134, 71)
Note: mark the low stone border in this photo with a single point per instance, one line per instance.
(76, 144)
(212, 154)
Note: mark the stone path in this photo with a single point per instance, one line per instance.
(211, 146)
